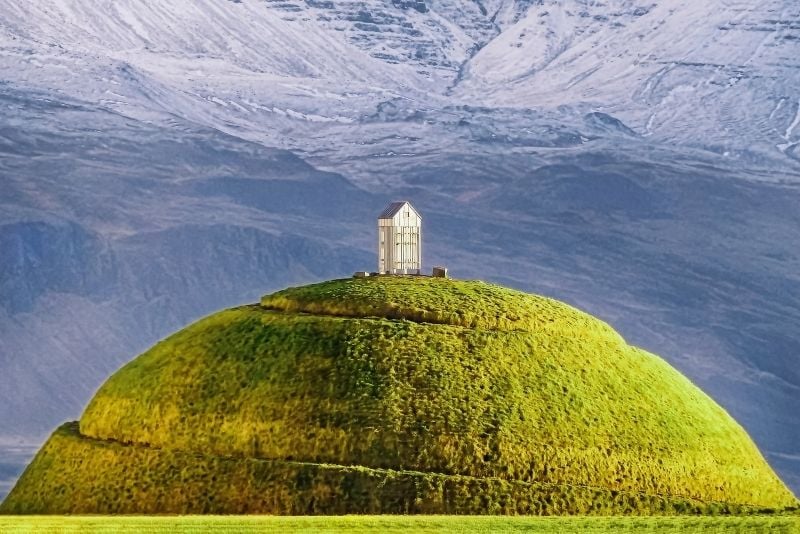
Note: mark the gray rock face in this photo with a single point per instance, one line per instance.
(160, 161)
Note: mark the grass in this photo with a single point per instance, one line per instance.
(63, 479)
(416, 395)
(399, 524)
(471, 304)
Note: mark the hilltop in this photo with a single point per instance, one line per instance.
(399, 395)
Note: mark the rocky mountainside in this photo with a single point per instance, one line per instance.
(159, 161)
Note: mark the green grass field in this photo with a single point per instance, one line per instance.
(404, 524)
(400, 395)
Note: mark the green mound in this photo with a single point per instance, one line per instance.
(399, 395)
(472, 304)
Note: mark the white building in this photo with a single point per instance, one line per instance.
(399, 240)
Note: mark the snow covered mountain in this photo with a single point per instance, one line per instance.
(717, 75)
(641, 159)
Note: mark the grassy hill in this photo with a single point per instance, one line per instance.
(399, 395)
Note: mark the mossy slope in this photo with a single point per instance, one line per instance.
(450, 379)
(154, 481)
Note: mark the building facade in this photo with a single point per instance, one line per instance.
(399, 239)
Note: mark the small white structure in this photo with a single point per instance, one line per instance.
(399, 239)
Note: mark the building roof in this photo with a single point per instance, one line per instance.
(392, 209)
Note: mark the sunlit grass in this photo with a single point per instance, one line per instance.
(400, 395)
(399, 524)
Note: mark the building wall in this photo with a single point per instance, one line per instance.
(400, 243)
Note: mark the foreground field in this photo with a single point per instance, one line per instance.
(404, 524)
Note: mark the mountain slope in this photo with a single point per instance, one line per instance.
(726, 85)
(727, 82)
